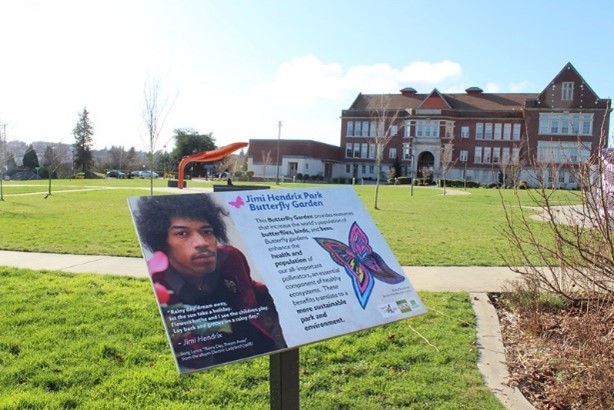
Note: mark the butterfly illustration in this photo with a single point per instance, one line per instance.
(360, 262)
(237, 203)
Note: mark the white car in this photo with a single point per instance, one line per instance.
(149, 174)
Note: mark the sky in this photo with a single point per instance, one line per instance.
(236, 68)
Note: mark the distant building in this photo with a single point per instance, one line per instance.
(473, 136)
(487, 137)
(303, 157)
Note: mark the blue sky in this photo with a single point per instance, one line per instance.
(236, 68)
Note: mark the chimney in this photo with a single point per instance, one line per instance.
(408, 92)
(475, 91)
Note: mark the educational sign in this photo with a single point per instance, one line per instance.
(245, 273)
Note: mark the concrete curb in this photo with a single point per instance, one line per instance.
(491, 361)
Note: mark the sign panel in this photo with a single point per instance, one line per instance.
(246, 273)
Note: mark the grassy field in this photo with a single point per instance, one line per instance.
(87, 341)
(92, 217)
(97, 342)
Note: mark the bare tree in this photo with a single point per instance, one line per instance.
(155, 112)
(572, 252)
(267, 159)
(385, 119)
(446, 158)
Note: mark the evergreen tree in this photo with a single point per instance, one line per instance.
(30, 159)
(83, 132)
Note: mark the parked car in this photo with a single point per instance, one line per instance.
(135, 174)
(115, 174)
(149, 174)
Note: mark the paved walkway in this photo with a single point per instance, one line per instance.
(475, 280)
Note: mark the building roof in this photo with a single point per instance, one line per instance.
(456, 101)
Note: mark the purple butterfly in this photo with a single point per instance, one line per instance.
(360, 262)
(237, 203)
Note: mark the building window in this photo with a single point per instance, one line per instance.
(348, 169)
(357, 128)
(496, 152)
(371, 169)
(497, 131)
(562, 177)
(488, 131)
(307, 166)
(507, 131)
(392, 153)
(567, 91)
(463, 155)
(477, 157)
(394, 130)
(465, 132)
(479, 131)
(505, 155)
(515, 155)
(486, 155)
(373, 129)
(565, 124)
(356, 150)
(516, 132)
(348, 150)
(560, 152)
(364, 150)
(349, 131)
(425, 128)
(365, 128)
(371, 151)
(363, 169)
(406, 151)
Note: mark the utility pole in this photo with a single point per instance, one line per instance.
(278, 142)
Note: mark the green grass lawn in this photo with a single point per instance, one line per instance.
(92, 217)
(97, 342)
(87, 341)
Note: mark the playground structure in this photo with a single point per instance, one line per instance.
(207, 156)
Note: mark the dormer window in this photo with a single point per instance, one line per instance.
(567, 91)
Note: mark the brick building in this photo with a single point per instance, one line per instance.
(486, 137)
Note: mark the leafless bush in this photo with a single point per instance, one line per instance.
(559, 326)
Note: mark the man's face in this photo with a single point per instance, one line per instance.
(192, 246)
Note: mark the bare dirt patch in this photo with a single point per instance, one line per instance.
(560, 358)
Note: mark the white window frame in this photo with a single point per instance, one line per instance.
(559, 124)
(497, 135)
(463, 155)
(348, 150)
(496, 155)
(516, 132)
(349, 131)
(365, 129)
(567, 91)
(477, 156)
(486, 155)
(464, 132)
(364, 150)
(488, 131)
(507, 131)
(392, 153)
(479, 131)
